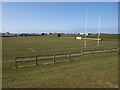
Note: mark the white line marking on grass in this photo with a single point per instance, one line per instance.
(31, 49)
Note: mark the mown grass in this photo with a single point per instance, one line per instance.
(89, 72)
(86, 72)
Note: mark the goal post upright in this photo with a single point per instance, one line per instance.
(98, 41)
(85, 43)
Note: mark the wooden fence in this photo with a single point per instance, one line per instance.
(68, 56)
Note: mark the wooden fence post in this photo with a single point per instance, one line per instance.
(102, 52)
(69, 56)
(92, 53)
(110, 51)
(54, 58)
(36, 61)
(81, 54)
(118, 50)
(15, 62)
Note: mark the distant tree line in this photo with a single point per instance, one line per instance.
(7, 34)
(90, 35)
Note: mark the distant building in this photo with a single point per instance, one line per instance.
(79, 38)
(7, 34)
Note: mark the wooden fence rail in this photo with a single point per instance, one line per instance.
(54, 57)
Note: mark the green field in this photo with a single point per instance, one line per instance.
(100, 71)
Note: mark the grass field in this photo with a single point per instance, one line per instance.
(86, 72)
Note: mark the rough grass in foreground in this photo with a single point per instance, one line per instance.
(93, 72)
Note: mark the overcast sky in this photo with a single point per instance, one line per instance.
(37, 17)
